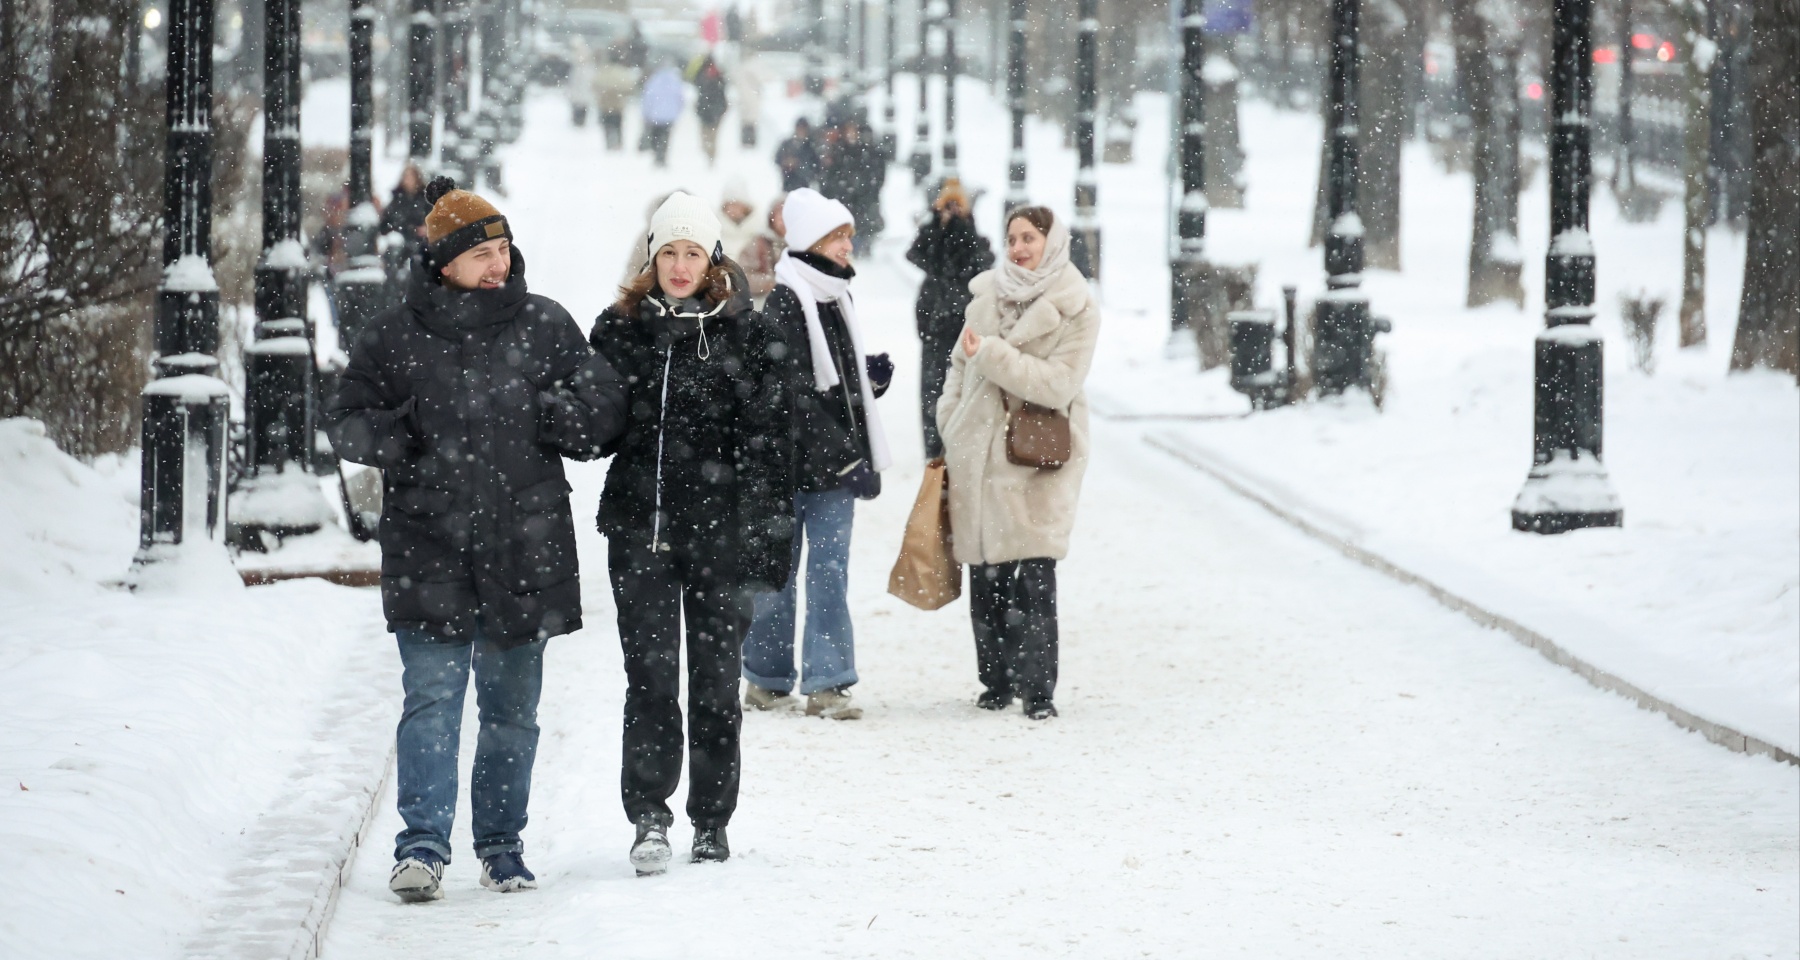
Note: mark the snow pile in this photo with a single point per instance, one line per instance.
(63, 521)
(142, 732)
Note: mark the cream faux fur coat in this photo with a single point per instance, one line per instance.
(1000, 512)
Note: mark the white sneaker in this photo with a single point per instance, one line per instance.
(418, 877)
(757, 698)
(832, 705)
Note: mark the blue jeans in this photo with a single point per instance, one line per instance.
(828, 655)
(507, 685)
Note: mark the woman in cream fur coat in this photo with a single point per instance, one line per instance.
(1029, 335)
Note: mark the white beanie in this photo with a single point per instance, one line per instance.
(684, 217)
(810, 215)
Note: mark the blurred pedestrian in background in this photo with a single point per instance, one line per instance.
(798, 158)
(407, 207)
(951, 252)
(839, 450)
(664, 97)
(748, 84)
(612, 86)
(763, 251)
(853, 173)
(710, 101)
(1029, 339)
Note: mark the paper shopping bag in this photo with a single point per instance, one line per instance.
(926, 575)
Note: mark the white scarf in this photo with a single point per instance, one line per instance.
(812, 286)
(1020, 287)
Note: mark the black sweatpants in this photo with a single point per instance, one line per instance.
(934, 367)
(652, 591)
(1013, 609)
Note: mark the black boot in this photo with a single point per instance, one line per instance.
(994, 699)
(650, 851)
(710, 845)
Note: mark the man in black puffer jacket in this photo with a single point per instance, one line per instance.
(468, 396)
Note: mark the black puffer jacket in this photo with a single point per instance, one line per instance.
(702, 469)
(951, 254)
(830, 427)
(405, 213)
(468, 401)
(853, 174)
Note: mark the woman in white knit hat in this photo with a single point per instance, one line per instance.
(839, 451)
(1028, 337)
(698, 515)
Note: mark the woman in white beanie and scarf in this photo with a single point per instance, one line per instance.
(697, 513)
(839, 451)
(1029, 336)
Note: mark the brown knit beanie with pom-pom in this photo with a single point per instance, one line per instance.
(459, 221)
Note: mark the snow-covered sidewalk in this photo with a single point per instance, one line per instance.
(1264, 750)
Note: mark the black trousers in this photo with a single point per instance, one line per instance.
(1013, 609)
(652, 591)
(659, 142)
(934, 367)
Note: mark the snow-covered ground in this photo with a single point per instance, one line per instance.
(142, 736)
(1265, 749)
(1696, 599)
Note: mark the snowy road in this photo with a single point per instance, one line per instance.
(1264, 750)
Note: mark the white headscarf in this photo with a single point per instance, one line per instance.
(1019, 287)
(812, 286)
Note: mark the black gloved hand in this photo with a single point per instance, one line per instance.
(880, 371)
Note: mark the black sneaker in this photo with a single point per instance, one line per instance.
(418, 876)
(650, 851)
(710, 845)
(1042, 710)
(994, 700)
(506, 873)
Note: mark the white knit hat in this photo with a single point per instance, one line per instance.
(684, 217)
(810, 215)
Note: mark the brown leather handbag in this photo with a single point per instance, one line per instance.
(1036, 436)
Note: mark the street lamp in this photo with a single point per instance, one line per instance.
(1191, 214)
(182, 506)
(1568, 487)
(1084, 240)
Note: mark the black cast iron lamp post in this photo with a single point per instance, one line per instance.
(186, 408)
(1568, 487)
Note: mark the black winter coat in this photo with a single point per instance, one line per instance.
(405, 214)
(468, 401)
(830, 428)
(799, 163)
(853, 174)
(710, 102)
(951, 254)
(702, 471)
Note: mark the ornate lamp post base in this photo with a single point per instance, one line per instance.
(1568, 487)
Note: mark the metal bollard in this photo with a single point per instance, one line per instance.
(1253, 373)
(1344, 351)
